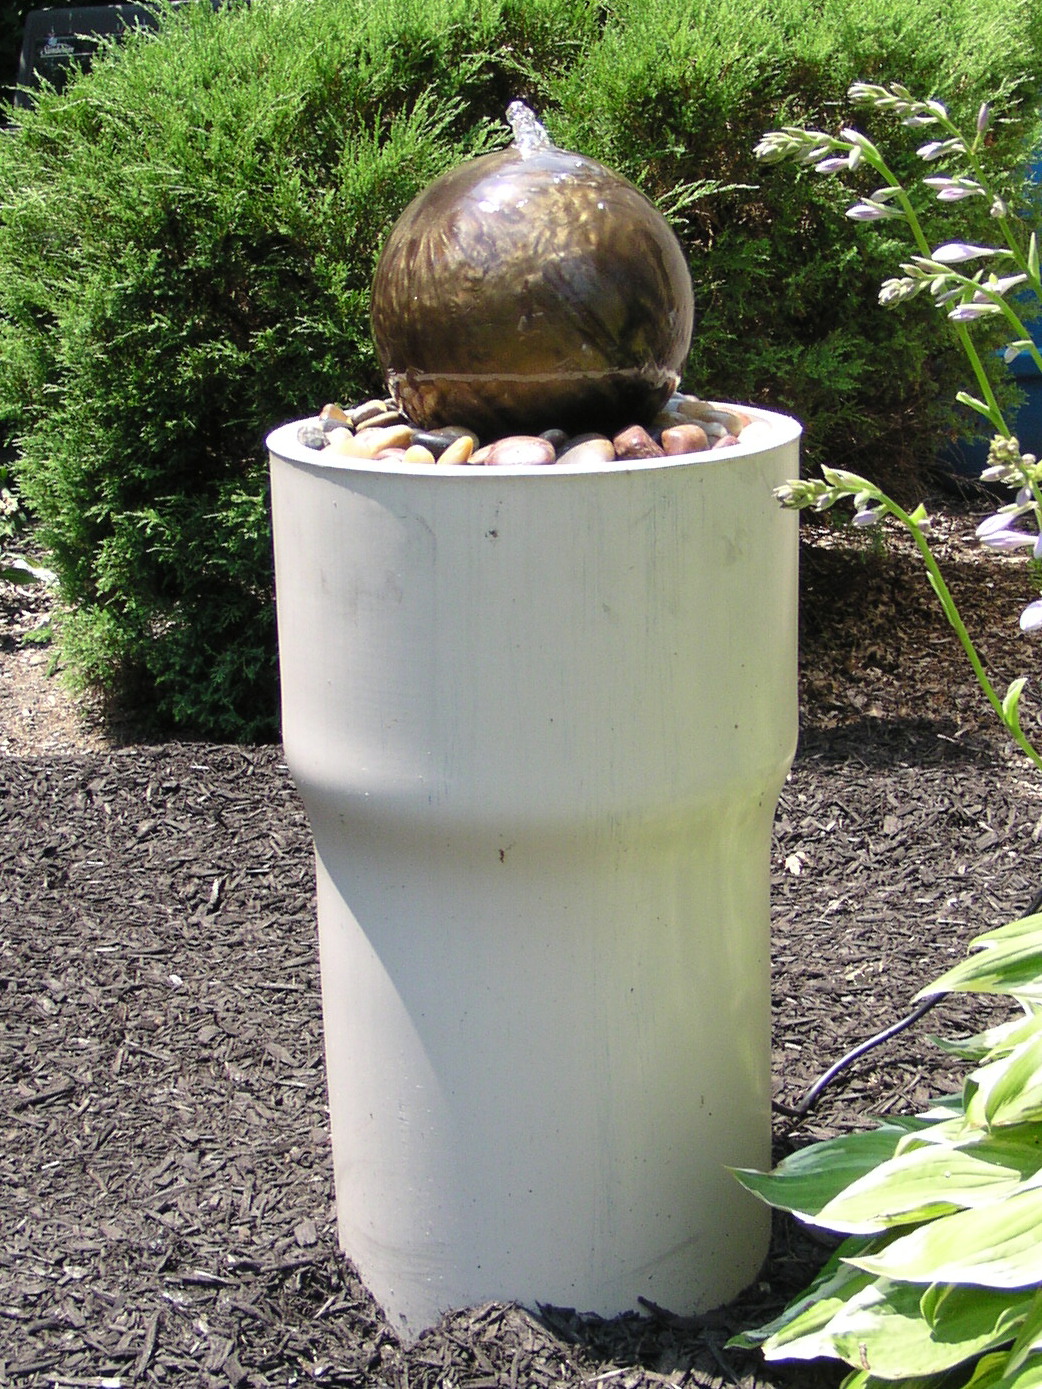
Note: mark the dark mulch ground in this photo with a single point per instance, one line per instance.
(167, 1211)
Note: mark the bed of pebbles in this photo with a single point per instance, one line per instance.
(378, 430)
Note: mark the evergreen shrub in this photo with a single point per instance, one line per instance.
(188, 235)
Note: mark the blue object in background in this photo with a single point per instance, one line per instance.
(967, 458)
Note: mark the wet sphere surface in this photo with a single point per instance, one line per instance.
(529, 289)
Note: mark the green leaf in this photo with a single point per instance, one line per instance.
(881, 1328)
(931, 1180)
(1009, 1090)
(996, 1246)
(864, 1379)
(994, 1041)
(1029, 1338)
(1026, 1376)
(993, 1372)
(964, 398)
(813, 1176)
(1011, 702)
(1023, 925)
(813, 1309)
(1006, 961)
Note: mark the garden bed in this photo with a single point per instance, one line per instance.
(164, 1155)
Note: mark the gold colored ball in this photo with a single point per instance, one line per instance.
(529, 289)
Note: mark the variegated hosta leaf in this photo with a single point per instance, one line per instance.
(881, 1328)
(992, 1372)
(864, 1379)
(995, 1041)
(931, 1180)
(1009, 1090)
(997, 1246)
(814, 1308)
(811, 1177)
(1029, 1338)
(1005, 961)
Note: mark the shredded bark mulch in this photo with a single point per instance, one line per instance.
(167, 1212)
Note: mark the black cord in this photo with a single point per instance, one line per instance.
(810, 1099)
(815, 1092)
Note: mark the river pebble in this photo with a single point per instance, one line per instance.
(418, 453)
(684, 438)
(520, 451)
(376, 430)
(587, 448)
(636, 442)
(460, 449)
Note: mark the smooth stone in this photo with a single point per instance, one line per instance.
(368, 410)
(383, 420)
(459, 450)
(725, 441)
(557, 437)
(701, 411)
(367, 443)
(331, 423)
(713, 429)
(684, 438)
(636, 442)
(521, 451)
(416, 453)
(438, 440)
(311, 436)
(587, 448)
(756, 432)
(334, 413)
(340, 439)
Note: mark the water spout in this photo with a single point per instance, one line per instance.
(529, 134)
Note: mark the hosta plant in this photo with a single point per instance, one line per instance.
(938, 1278)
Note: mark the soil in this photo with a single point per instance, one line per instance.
(168, 1209)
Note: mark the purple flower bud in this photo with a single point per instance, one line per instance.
(1031, 617)
(955, 252)
(954, 193)
(868, 516)
(1004, 283)
(997, 473)
(832, 165)
(937, 149)
(983, 118)
(967, 313)
(1014, 350)
(998, 534)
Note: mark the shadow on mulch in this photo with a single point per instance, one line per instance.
(168, 1212)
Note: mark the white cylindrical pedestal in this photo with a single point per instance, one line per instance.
(539, 719)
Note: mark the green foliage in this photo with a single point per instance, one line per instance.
(785, 291)
(188, 234)
(939, 1277)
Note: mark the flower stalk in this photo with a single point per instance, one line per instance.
(968, 282)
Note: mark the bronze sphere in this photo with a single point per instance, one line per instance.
(528, 289)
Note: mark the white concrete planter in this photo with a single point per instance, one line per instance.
(540, 719)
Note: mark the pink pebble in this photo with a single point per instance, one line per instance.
(685, 438)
